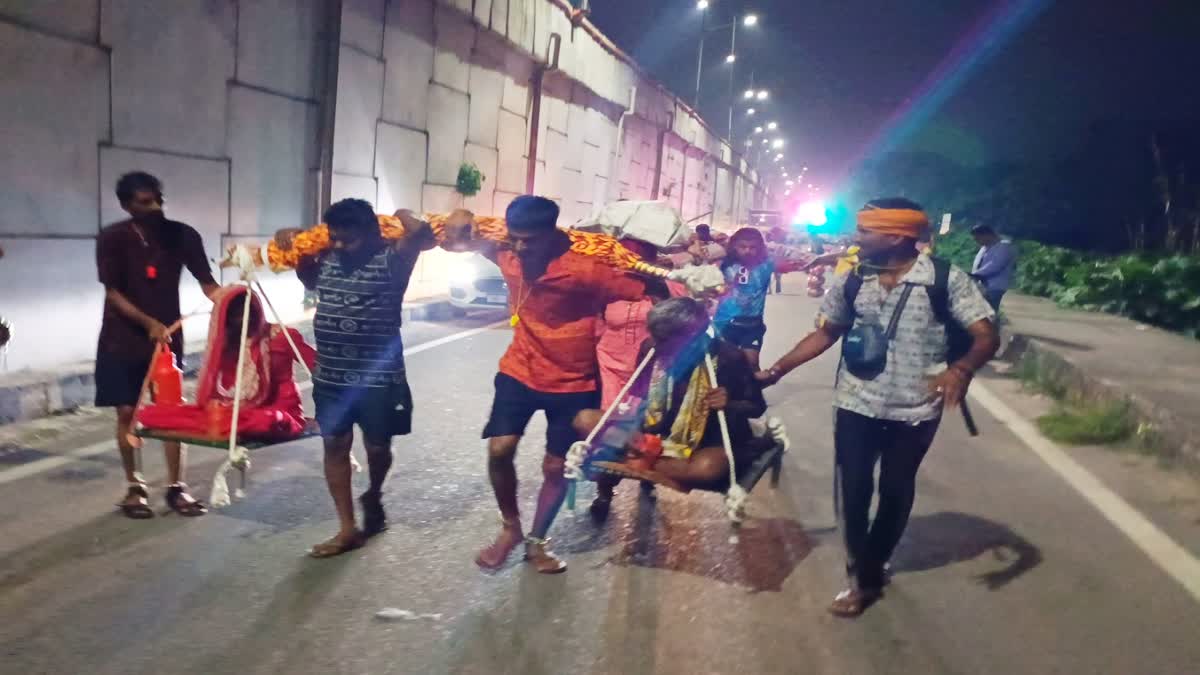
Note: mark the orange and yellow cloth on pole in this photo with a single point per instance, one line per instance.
(316, 239)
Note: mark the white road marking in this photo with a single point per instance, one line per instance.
(49, 463)
(1172, 558)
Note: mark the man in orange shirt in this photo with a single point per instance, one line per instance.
(555, 295)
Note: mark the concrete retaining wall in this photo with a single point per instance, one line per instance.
(222, 100)
(1159, 428)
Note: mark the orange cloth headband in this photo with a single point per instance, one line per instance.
(900, 222)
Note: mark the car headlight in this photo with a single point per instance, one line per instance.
(463, 274)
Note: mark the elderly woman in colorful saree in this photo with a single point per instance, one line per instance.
(676, 436)
(270, 409)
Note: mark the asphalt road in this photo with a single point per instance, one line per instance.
(1004, 567)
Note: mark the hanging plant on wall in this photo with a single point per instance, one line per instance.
(470, 180)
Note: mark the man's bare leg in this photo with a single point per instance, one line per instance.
(551, 496)
(705, 467)
(502, 471)
(379, 463)
(337, 478)
(136, 498)
(177, 495)
(128, 456)
(173, 453)
(550, 500)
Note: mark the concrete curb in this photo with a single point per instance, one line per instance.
(34, 394)
(1157, 426)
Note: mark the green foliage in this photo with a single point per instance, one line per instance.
(1089, 424)
(1160, 290)
(470, 180)
(1042, 380)
(958, 247)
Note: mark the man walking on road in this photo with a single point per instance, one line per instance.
(139, 261)
(892, 385)
(994, 265)
(550, 365)
(360, 376)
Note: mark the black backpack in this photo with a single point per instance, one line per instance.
(958, 340)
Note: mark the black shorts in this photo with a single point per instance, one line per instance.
(745, 334)
(516, 403)
(380, 412)
(119, 379)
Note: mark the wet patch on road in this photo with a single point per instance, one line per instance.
(78, 474)
(16, 455)
(690, 534)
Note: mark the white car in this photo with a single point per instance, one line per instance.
(476, 282)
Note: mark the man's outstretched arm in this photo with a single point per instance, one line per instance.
(815, 344)
(418, 233)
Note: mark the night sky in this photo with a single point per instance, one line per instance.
(841, 70)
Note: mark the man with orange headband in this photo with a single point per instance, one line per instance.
(901, 315)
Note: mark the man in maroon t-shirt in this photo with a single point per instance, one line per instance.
(139, 261)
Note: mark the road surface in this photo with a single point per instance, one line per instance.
(1005, 568)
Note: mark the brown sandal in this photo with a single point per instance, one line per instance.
(335, 547)
(852, 602)
(139, 510)
(496, 554)
(542, 558)
(189, 507)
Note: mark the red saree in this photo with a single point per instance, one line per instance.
(271, 409)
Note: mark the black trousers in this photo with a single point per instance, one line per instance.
(859, 442)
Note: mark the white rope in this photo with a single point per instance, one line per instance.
(286, 333)
(573, 469)
(238, 457)
(736, 496)
(241, 258)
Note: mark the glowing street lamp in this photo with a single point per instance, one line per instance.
(702, 5)
(777, 143)
(750, 111)
(749, 20)
(749, 94)
(773, 126)
(758, 130)
(763, 95)
(731, 58)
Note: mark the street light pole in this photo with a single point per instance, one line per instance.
(700, 60)
(732, 69)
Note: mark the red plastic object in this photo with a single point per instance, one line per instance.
(166, 379)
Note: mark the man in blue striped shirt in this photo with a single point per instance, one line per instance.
(995, 264)
(359, 379)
